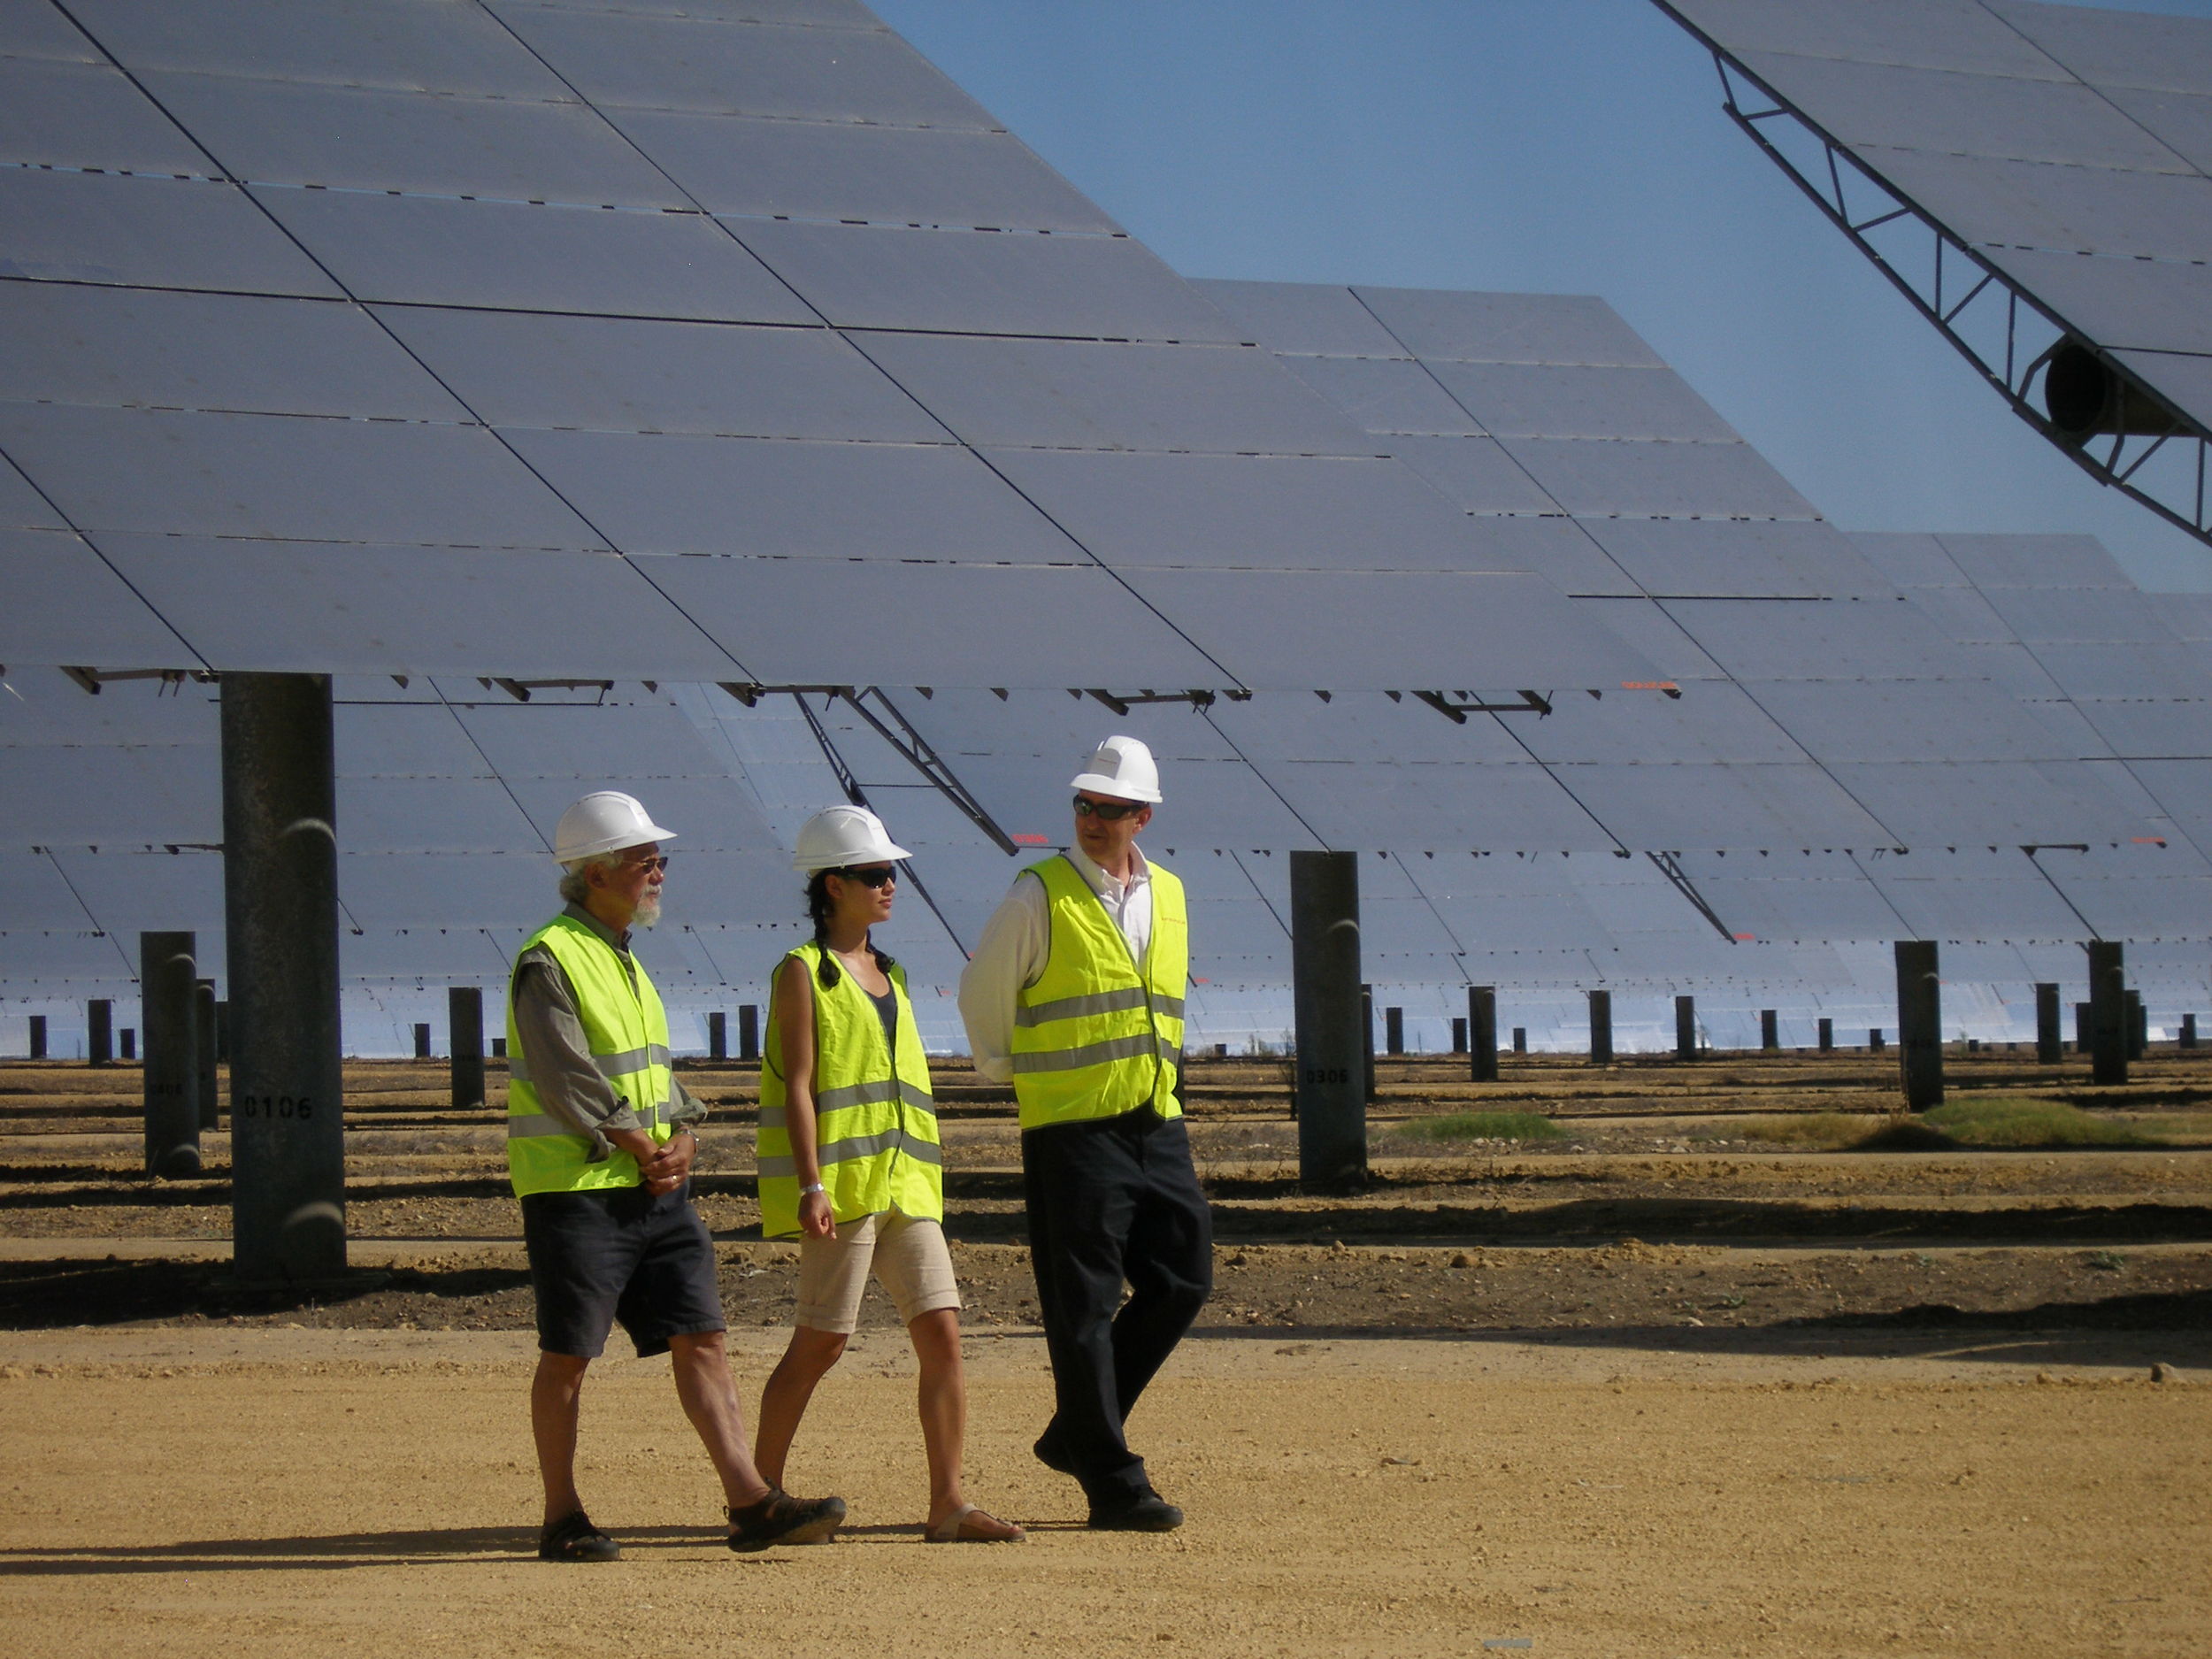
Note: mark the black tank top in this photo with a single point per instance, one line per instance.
(887, 1011)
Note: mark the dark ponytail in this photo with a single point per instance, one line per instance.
(820, 907)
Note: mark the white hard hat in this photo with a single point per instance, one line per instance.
(1122, 767)
(841, 835)
(604, 821)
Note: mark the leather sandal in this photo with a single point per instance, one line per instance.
(968, 1525)
(573, 1538)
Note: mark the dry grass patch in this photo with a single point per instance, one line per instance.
(1516, 1126)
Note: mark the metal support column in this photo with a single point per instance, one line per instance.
(280, 904)
(99, 1031)
(1686, 1028)
(37, 1044)
(1770, 1031)
(1827, 1036)
(2108, 1012)
(717, 1036)
(1919, 1024)
(2048, 1047)
(203, 1059)
(465, 1041)
(1600, 1028)
(1395, 1030)
(749, 1032)
(1333, 1037)
(1482, 1033)
(168, 987)
(1367, 1036)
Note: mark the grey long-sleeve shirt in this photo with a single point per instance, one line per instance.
(569, 1087)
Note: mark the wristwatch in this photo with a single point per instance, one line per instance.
(806, 1191)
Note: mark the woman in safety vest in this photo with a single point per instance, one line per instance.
(850, 1164)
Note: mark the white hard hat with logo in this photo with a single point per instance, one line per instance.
(604, 821)
(838, 836)
(1122, 767)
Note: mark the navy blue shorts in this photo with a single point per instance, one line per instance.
(619, 1252)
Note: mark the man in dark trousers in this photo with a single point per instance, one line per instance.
(1075, 994)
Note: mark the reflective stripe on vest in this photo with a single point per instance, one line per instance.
(875, 1123)
(627, 1031)
(1096, 1036)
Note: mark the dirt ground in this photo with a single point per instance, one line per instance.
(295, 1491)
(1656, 1389)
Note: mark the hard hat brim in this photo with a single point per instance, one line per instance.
(614, 844)
(1099, 783)
(892, 853)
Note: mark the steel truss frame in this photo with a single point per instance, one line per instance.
(1948, 283)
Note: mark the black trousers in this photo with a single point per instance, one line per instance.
(1111, 1202)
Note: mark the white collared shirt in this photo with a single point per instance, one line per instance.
(1018, 938)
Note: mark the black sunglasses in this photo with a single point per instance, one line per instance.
(1109, 811)
(658, 860)
(873, 876)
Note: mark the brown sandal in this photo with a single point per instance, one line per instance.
(968, 1525)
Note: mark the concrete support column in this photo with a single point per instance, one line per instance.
(1334, 1039)
(2108, 1012)
(1520, 1040)
(2084, 1028)
(280, 904)
(717, 1036)
(37, 1043)
(2188, 1031)
(1874, 1040)
(204, 1053)
(1600, 1028)
(1686, 1028)
(749, 1032)
(222, 1031)
(1395, 1030)
(1827, 1036)
(1769, 1032)
(168, 987)
(128, 1041)
(1919, 1024)
(2048, 1047)
(465, 1041)
(1482, 1033)
(422, 1039)
(2138, 1027)
(1459, 1036)
(99, 1031)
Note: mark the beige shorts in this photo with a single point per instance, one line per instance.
(910, 1261)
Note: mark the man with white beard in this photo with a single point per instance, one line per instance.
(599, 1148)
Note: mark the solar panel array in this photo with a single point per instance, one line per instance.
(549, 372)
(2064, 152)
(550, 337)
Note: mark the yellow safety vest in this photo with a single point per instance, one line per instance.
(626, 1030)
(1097, 1036)
(875, 1123)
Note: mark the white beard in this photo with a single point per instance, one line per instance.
(649, 913)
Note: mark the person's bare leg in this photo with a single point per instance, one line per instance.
(806, 1361)
(702, 1367)
(941, 1393)
(556, 1402)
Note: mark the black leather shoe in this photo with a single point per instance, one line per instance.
(781, 1519)
(1147, 1512)
(573, 1538)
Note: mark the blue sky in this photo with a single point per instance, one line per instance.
(1566, 146)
